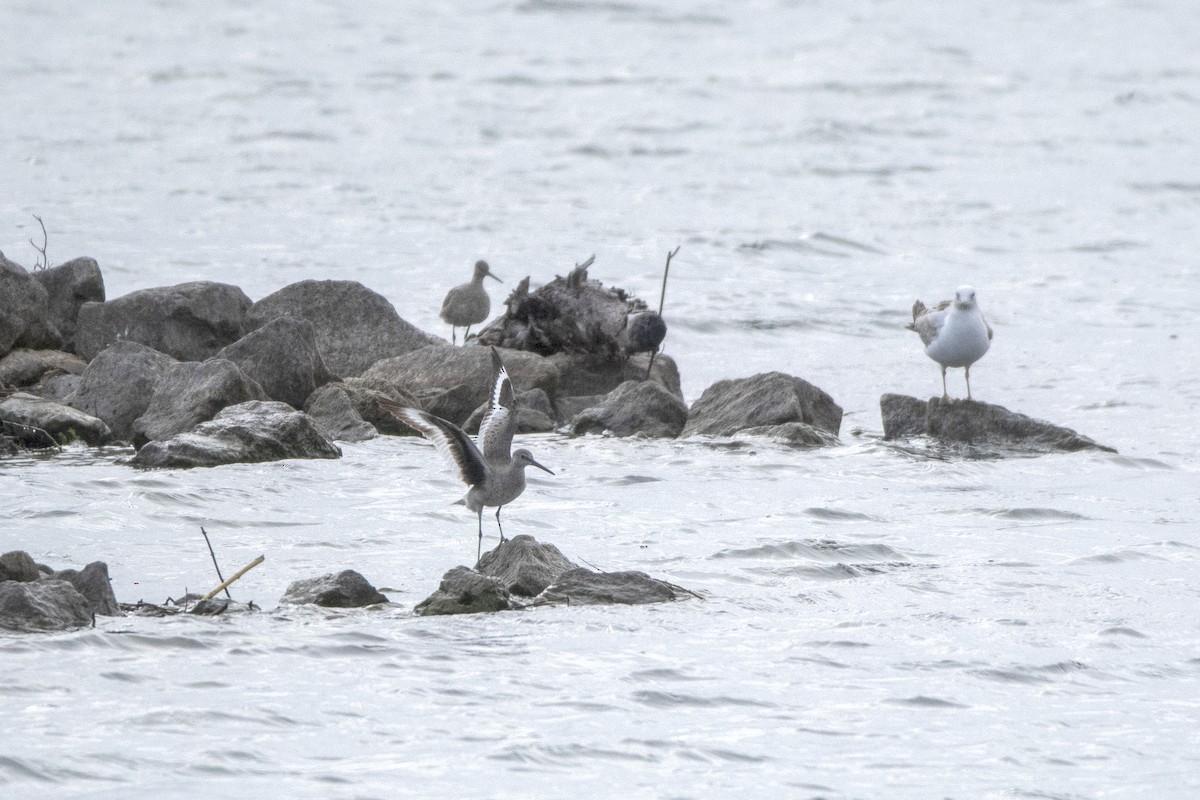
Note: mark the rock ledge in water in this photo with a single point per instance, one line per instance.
(465, 591)
(346, 589)
(769, 398)
(524, 565)
(974, 423)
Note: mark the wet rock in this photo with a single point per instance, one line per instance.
(590, 374)
(572, 314)
(282, 358)
(770, 398)
(974, 423)
(451, 382)
(118, 384)
(17, 565)
(796, 434)
(465, 591)
(24, 311)
(333, 412)
(246, 433)
(64, 423)
(644, 331)
(14, 437)
(192, 392)
(354, 326)
(93, 583)
(635, 407)
(46, 605)
(534, 413)
(68, 286)
(582, 587)
(189, 321)
(56, 386)
(366, 396)
(23, 367)
(346, 589)
(524, 566)
(569, 407)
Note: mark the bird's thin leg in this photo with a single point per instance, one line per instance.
(945, 394)
(498, 525)
(466, 333)
(968, 381)
(479, 548)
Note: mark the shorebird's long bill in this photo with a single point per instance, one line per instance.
(533, 463)
(493, 275)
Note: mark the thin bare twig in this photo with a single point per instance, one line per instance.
(662, 297)
(216, 566)
(43, 259)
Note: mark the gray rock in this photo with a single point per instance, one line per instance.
(189, 321)
(346, 589)
(16, 436)
(118, 384)
(282, 358)
(354, 326)
(635, 407)
(64, 423)
(23, 367)
(644, 332)
(465, 591)
(17, 565)
(569, 407)
(770, 398)
(93, 583)
(334, 414)
(581, 587)
(192, 392)
(590, 374)
(42, 606)
(68, 286)
(534, 413)
(524, 566)
(366, 394)
(24, 310)
(242, 434)
(796, 434)
(56, 386)
(451, 382)
(971, 422)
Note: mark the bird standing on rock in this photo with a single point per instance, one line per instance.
(468, 304)
(495, 478)
(954, 332)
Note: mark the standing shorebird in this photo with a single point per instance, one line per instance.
(468, 304)
(954, 332)
(495, 478)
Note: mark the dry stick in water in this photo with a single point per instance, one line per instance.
(216, 566)
(236, 575)
(662, 296)
(43, 260)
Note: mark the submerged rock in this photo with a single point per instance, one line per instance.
(189, 321)
(354, 326)
(635, 407)
(44, 605)
(524, 566)
(346, 589)
(796, 434)
(191, 392)
(64, 423)
(118, 384)
(974, 423)
(465, 591)
(770, 398)
(68, 286)
(582, 587)
(249, 432)
(282, 358)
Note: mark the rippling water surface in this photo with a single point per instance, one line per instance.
(878, 621)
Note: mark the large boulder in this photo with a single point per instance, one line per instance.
(118, 384)
(192, 392)
(346, 589)
(524, 566)
(282, 358)
(17, 565)
(93, 583)
(189, 321)
(42, 606)
(334, 414)
(249, 432)
(635, 407)
(68, 286)
(581, 587)
(354, 326)
(535, 413)
(451, 382)
(770, 398)
(591, 374)
(64, 423)
(465, 591)
(24, 367)
(971, 422)
(24, 310)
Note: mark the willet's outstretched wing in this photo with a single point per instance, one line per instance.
(928, 321)
(500, 423)
(448, 438)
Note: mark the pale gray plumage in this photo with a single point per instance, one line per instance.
(954, 332)
(468, 304)
(495, 478)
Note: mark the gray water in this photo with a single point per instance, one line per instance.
(879, 621)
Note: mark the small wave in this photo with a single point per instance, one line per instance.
(840, 515)
(567, 754)
(818, 549)
(1037, 514)
(1115, 557)
(924, 701)
(1123, 631)
(1109, 246)
(660, 699)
